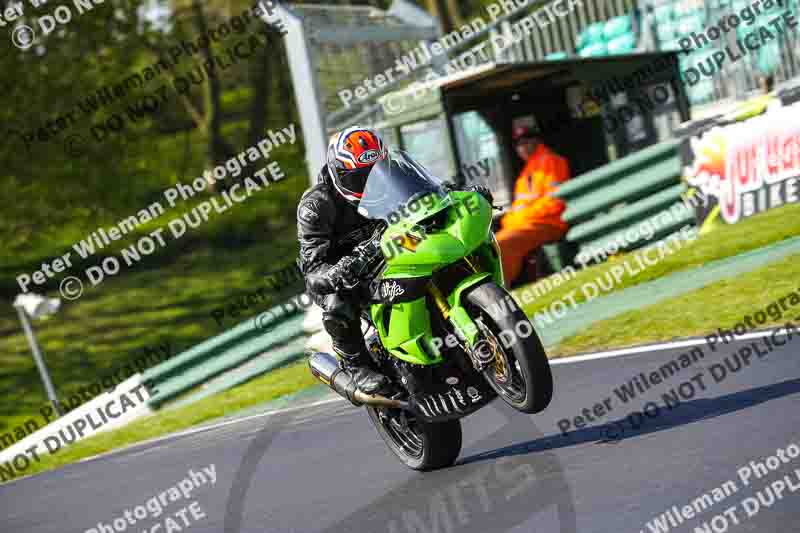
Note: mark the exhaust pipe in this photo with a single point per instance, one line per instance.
(325, 368)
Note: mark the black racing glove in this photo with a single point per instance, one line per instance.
(346, 273)
(352, 269)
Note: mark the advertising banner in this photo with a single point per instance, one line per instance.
(746, 167)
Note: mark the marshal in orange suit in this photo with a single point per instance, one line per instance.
(535, 215)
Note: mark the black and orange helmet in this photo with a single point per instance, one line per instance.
(351, 154)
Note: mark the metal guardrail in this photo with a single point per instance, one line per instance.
(211, 358)
(278, 357)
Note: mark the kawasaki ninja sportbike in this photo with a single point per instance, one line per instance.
(439, 324)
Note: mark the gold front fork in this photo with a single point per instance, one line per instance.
(439, 300)
(438, 297)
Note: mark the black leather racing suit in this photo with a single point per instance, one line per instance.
(328, 229)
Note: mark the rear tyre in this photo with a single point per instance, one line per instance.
(419, 445)
(521, 372)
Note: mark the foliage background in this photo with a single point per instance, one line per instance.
(54, 197)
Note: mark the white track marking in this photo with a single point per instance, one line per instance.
(655, 347)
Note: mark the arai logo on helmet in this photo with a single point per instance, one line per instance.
(370, 156)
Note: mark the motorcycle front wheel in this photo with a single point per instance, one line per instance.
(520, 371)
(419, 445)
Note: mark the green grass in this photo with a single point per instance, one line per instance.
(39, 231)
(115, 321)
(720, 305)
(725, 241)
(161, 299)
(280, 382)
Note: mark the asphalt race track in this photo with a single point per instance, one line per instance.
(326, 469)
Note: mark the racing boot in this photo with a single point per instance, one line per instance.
(358, 365)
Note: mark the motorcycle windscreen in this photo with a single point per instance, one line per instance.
(395, 182)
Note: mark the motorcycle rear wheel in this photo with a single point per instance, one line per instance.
(421, 445)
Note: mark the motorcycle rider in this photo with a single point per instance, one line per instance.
(329, 227)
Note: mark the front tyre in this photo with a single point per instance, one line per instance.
(419, 445)
(520, 371)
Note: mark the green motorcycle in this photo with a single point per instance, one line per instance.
(439, 323)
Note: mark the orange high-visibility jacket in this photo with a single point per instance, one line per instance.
(533, 203)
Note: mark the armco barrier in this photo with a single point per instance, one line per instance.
(606, 202)
(226, 351)
(278, 357)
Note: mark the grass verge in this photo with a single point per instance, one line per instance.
(726, 241)
(114, 322)
(720, 305)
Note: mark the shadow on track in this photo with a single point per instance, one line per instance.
(498, 496)
(624, 428)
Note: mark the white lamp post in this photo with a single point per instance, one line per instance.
(37, 306)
